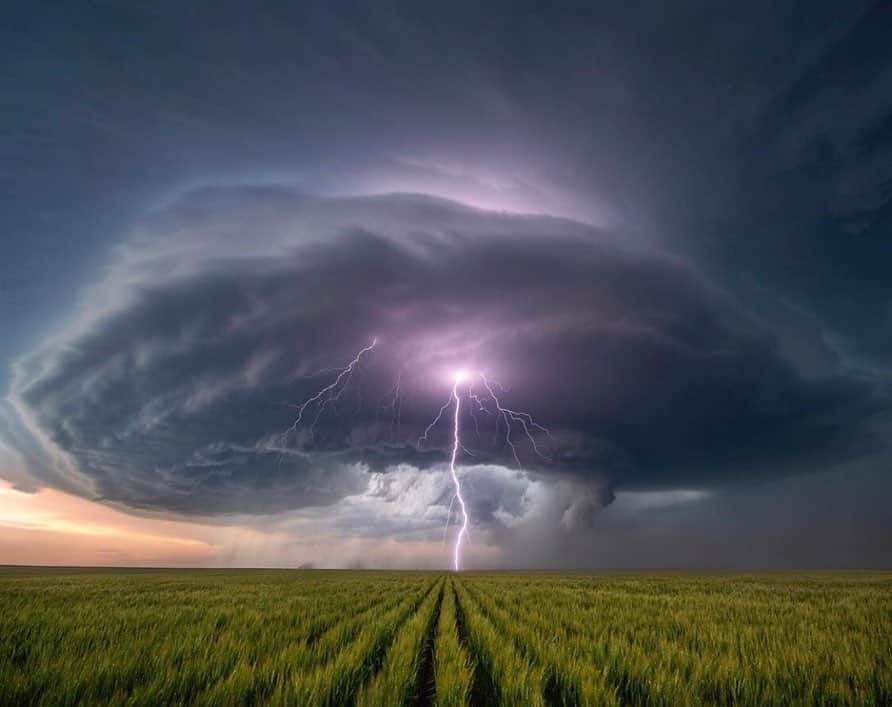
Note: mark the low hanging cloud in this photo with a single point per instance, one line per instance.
(172, 386)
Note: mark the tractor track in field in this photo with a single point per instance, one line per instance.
(426, 687)
(483, 691)
(557, 689)
(375, 660)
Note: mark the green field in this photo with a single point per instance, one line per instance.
(148, 637)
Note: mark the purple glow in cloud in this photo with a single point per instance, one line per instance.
(334, 390)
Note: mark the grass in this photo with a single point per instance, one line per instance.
(145, 637)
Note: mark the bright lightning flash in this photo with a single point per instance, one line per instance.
(514, 420)
(527, 425)
(460, 376)
(456, 443)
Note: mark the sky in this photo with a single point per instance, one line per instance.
(661, 234)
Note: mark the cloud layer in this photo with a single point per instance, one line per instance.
(172, 387)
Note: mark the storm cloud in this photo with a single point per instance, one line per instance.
(174, 387)
(663, 230)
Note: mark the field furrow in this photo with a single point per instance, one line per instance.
(344, 630)
(417, 639)
(453, 671)
(502, 675)
(425, 684)
(337, 683)
(400, 677)
(567, 679)
(665, 641)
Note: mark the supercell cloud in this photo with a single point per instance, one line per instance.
(173, 386)
(664, 230)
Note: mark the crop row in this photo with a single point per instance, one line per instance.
(418, 640)
(200, 639)
(668, 641)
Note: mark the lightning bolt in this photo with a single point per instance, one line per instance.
(477, 407)
(453, 401)
(396, 404)
(512, 418)
(329, 393)
(427, 430)
(478, 403)
(526, 421)
(456, 443)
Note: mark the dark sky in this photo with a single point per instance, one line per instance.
(664, 228)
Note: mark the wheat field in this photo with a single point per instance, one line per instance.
(312, 637)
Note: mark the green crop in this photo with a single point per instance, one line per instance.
(157, 637)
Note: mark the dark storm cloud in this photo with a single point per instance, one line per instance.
(802, 232)
(171, 391)
(741, 133)
(728, 321)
